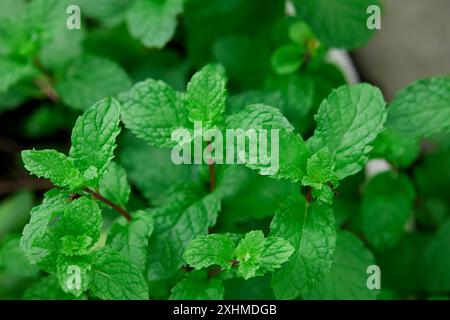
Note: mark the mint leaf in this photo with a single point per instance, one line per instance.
(152, 110)
(347, 279)
(206, 95)
(386, 209)
(422, 108)
(276, 252)
(287, 59)
(93, 138)
(437, 261)
(54, 203)
(74, 274)
(197, 286)
(213, 249)
(51, 164)
(348, 122)
(291, 148)
(153, 22)
(13, 260)
(176, 224)
(131, 238)
(78, 229)
(310, 230)
(12, 72)
(114, 277)
(47, 288)
(249, 252)
(88, 79)
(114, 185)
(339, 23)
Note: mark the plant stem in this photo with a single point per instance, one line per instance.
(109, 203)
(216, 271)
(44, 83)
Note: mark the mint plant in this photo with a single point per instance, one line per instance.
(114, 216)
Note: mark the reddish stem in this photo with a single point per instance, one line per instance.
(109, 203)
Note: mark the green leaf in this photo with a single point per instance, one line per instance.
(54, 203)
(114, 185)
(347, 279)
(287, 59)
(437, 261)
(422, 108)
(74, 274)
(14, 261)
(153, 22)
(131, 238)
(51, 164)
(88, 79)
(338, 23)
(153, 110)
(386, 209)
(348, 122)
(12, 72)
(398, 148)
(78, 229)
(249, 252)
(94, 138)
(206, 95)
(107, 11)
(176, 224)
(14, 211)
(213, 249)
(114, 277)
(197, 286)
(276, 252)
(288, 154)
(47, 288)
(310, 230)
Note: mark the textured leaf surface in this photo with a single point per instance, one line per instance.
(348, 122)
(153, 110)
(197, 286)
(94, 135)
(89, 79)
(51, 164)
(47, 288)
(249, 252)
(338, 23)
(213, 249)
(131, 238)
(422, 108)
(153, 22)
(276, 252)
(347, 279)
(114, 277)
(114, 185)
(386, 209)
(206, 94)
(310, 230)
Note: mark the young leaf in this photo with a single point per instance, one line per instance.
(153, 110)
(422, 108)
(310, 230)
(131, 238)
(386, 209)
(348, 122)
(287, 59)
(276, 252)
(206, 95)
(347, 279)
(94, 138)
(249, 252)
(88, 79)
(197, 286)
(171, 236)
(54, 202)
(114, 185)
(51, 164)
(154, 21)
(114, 277)
(213, 249)
(78, 229)
(338, 23)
